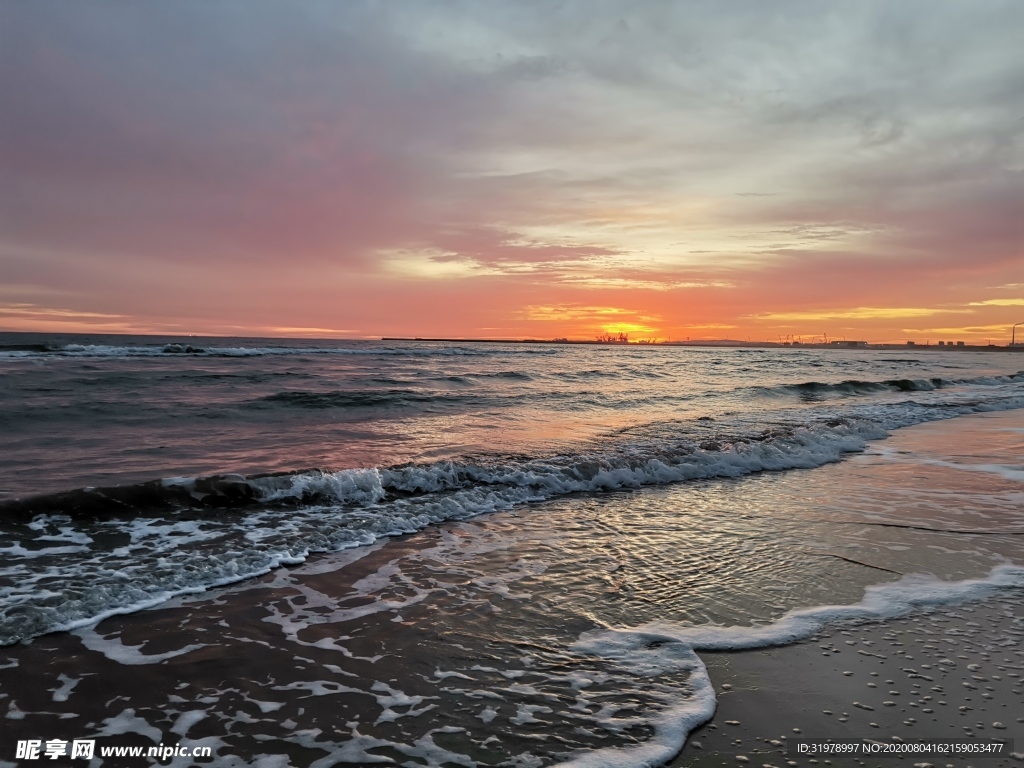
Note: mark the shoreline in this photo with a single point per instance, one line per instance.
(950, 672)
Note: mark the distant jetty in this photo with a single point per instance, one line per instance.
(734, 343)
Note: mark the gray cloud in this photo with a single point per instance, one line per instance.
(136, 137)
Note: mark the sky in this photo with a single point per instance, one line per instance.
(670, 170)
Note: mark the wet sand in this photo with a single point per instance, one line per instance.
(951, 673)
(402, 683)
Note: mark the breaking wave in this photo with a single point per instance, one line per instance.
(118, 549)
(857, 387)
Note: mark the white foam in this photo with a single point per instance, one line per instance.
(1007, 472)
(318, 688)
(339, 671)
(525, 714)
(439, 675)
(659, 647)
(352, 486)
(267, 706)
(355, 745)
(67, 685)
(69, 535)
(17, 550)
(129, 722)
(316, 608)
(390, 698)
(117, 651)
(186, 720)
(124, 598)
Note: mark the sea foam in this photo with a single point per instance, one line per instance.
(658, 647)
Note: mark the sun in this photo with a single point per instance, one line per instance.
(630, 329)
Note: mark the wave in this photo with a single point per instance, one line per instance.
(372, 398)
(514, 375)
(179, 349)
(192, 533)
(664, 646)
(853, 386)
(263, 522)
(858, 387)
(593, 373)
(466, 378)
(504, 483)
(657, 454)
(151, 497)
(14, 349)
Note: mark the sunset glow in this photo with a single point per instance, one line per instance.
(668, 171)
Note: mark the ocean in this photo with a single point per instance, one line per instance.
(308, 552)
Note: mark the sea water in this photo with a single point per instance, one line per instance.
(576, 523)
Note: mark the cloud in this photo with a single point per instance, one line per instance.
(999, 303)
(597, 282)
(293, 331)
(30, 317)
(564, 312)
(31, 310)
(995, 331)
(239, 133)
(364, 164)
(859, 313)
(433, 265)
